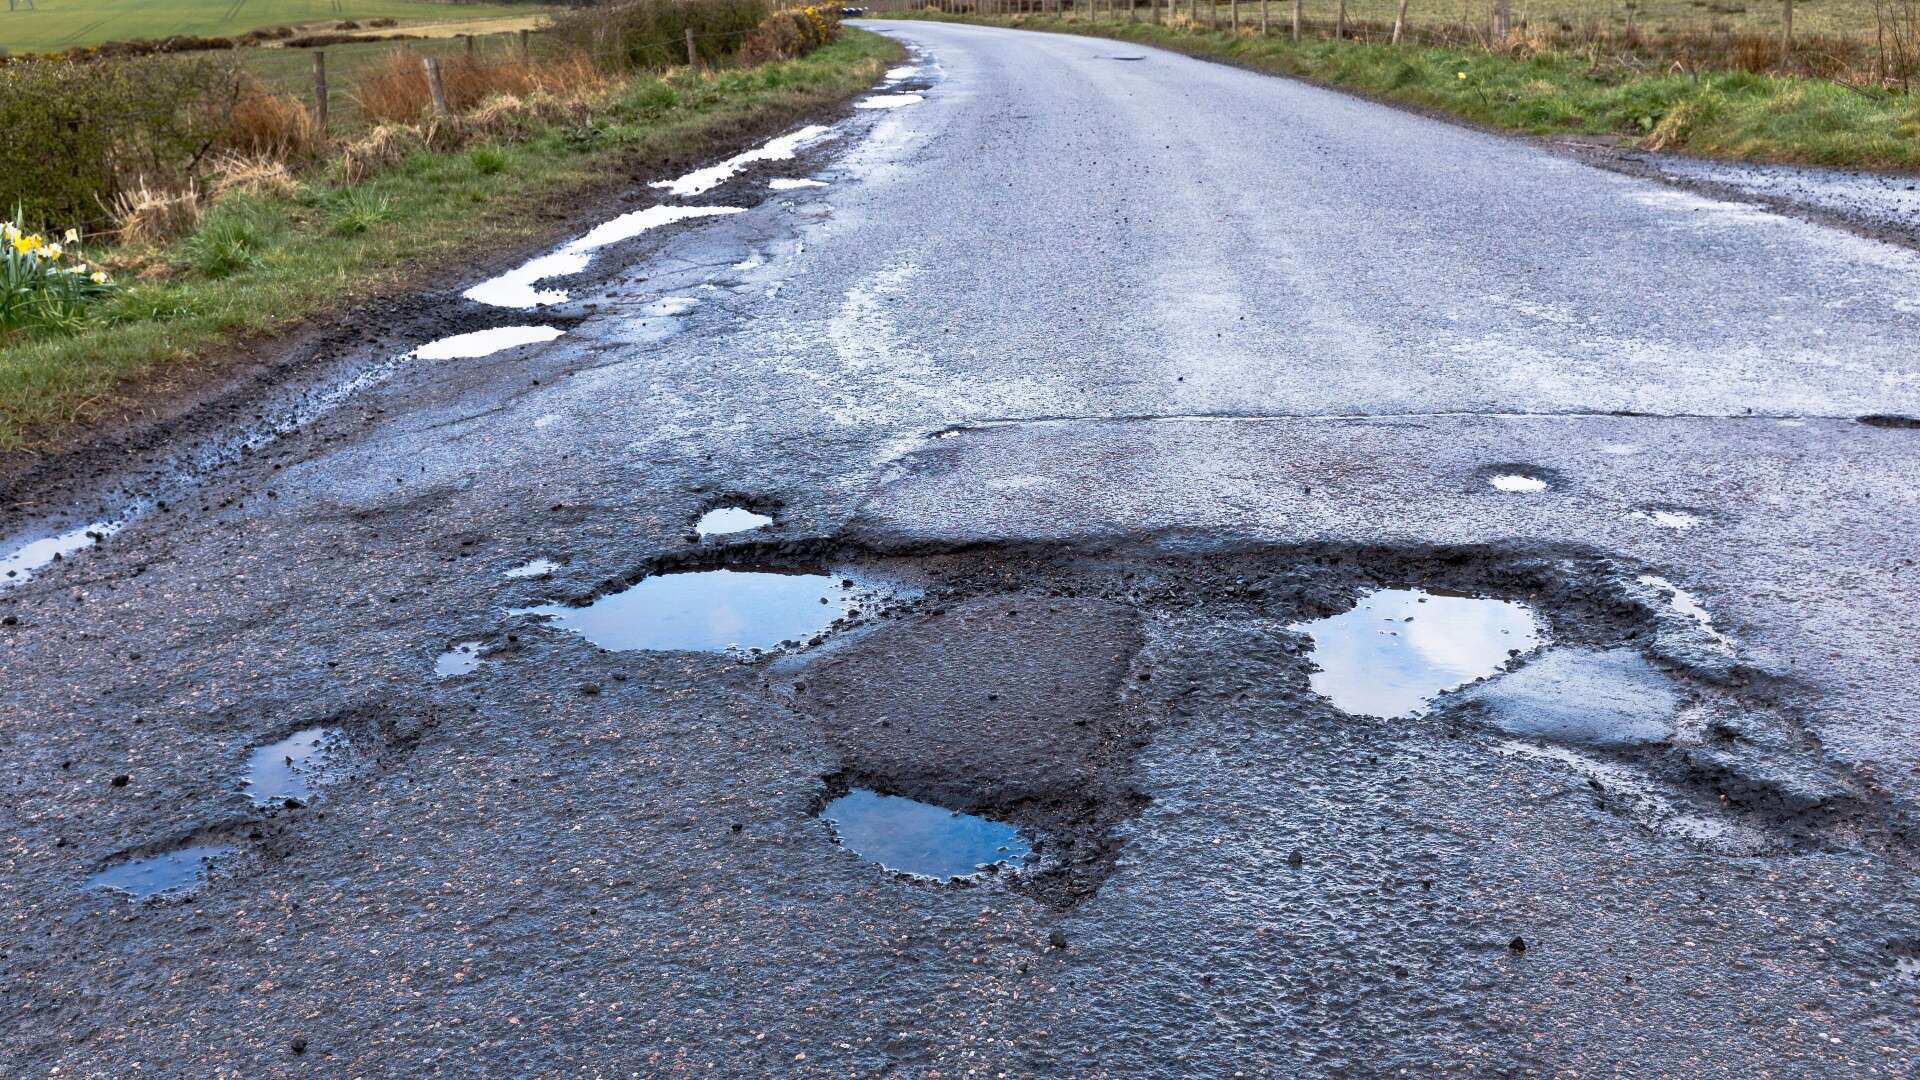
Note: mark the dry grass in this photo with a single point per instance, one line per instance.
(251, 174)
(145, 216)
(380, 149)
(274, 125)
(396, 92)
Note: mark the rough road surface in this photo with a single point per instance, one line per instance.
(1100, 373)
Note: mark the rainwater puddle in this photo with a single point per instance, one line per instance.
(888, 101)
(1520, 482)
(171, 872)
(905, 71)
(783, 183)
(485, 342)
(1671, 519)
(20, 563)
(462, 659)
(1399, 648)
(515, 288)
(1688, 605)
(292, 768)
(533, 568)
(729, 519)
(781, 149)
(705, 611)
(910, 837)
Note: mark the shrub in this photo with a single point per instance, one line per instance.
(652, 33)
(73, 136)
(271, 125)
(383, 22)
(45, 284)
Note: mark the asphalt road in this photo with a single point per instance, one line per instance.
(1101, 371)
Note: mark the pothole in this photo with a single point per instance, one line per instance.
(170, 873)
(293, 768)
(21, 562)
(1521, 483)
(787, 183)
(532, 568)
(481, 343)
(1607, 698)
(1398, 649)
(462, 659)
(723, 520)
(888, 101)
(907, 836)
(707, 611)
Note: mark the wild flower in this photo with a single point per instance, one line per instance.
(45, 284)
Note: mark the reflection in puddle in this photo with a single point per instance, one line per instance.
(705, 611)
(1398, 648)
(888, 101)
(729, 519)
(515, 288)
(905, 71)
(1686, 604)
(1671, 519)
(783, 183)
(919, 838)
(290, 768)
(20, 563)
(533, 568)
(459, 660)
(1517, 482)
(485, 342)
(780, 149)
(157, 875)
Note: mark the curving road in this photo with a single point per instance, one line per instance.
(1104, 373)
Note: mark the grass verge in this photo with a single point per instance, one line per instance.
(1712, 114)
(261, 263)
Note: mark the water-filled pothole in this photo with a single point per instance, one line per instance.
(706, 611)
(168, 873)
(1399, 648)
(911, 837)
(888, 101)
(292, 768)
(479, 343)
(20, 563)
(1517, 482)
(463, 659)
(533, 568)
(729, 519)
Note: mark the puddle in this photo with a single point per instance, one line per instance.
(782, 183)
(781, 149)
(905, 71)
(1671, 519)
(888, 101)
(729, 519)
(21, 563)
(1517, 482)
(1687, 604)
(462, 659)
(922, 839)
(1399, 648)
(705, 611)
(291, 768)
(533, 568)
(485, 342)
(158, 875)
(515, 288)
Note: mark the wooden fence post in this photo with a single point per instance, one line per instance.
(693, 58)
(1296, 20)
(470, 46)
(1399, 22)
(1263, 18)
(435, 87)
(1236, 15)
(1786, 31)
(320, 91)
(1340, 21)
(525, 57)
(1502, 22)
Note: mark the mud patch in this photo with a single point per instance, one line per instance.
(1398, 649)
(170, 873)
(920, 839)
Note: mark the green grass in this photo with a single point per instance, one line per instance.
(257, 265)
(59, 24)
(1715, 114)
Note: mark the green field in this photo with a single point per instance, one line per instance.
(1849, 17)
(59, 24)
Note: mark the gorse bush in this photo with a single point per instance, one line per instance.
(651, 34)
(73, 136)
(45, 284)
(789, 33)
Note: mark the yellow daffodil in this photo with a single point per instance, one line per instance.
(8, 232)
(99, 277)
(25, 245)
(73, 236)
(1463, 75)
(52, 251)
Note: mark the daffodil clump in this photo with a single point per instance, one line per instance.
(45, 283)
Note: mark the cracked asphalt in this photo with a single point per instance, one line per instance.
(1102, 378)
